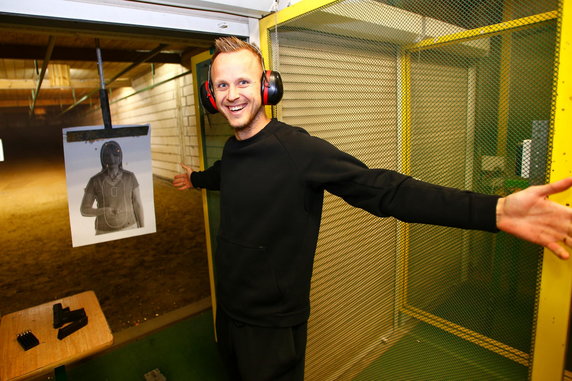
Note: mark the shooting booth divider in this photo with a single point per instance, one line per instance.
(449, 93)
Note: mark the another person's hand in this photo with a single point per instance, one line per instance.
(530, 215)
(183, 180)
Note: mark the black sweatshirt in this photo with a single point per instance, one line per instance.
(271, 195)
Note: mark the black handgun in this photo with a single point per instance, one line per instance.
(75, 320)
(64, 315)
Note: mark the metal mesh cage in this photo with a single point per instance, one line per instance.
(453, 92)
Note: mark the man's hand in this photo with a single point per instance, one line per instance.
(529, 215)
(183, 180)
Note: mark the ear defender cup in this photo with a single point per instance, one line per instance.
(207, 98)
(271, 91)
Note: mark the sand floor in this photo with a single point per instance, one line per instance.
(135, 279)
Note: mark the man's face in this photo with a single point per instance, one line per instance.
(236, 80)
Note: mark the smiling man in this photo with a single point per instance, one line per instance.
(237, 82)
(272, 178)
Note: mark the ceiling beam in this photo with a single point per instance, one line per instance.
(28, 52)
(78, 84)
(43, 102)
(65, 28)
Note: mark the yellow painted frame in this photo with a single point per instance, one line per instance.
(553, 316)
(404, 167)
(469, 335)
(556, 286)
(195, 60)
(486, 31)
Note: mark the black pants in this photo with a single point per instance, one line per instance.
(253, 353)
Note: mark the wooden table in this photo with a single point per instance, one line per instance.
(17, 364)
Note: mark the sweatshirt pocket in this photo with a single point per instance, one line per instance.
(246, 281)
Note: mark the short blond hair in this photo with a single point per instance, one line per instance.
(232, 44)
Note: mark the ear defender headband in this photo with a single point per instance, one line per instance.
(271, 90)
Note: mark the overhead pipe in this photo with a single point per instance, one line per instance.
(151, 54)
(49, 50)
(146, 58)
(103, 99)
(150, 87)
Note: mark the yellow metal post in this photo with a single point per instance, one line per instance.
(404, 167)
(556, 283)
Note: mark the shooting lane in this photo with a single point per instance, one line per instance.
(51, 82)
(440, 90)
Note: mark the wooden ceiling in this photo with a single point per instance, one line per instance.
(68, 53)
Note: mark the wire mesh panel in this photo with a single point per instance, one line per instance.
(453, 92)
(483, 283)
(345, 94)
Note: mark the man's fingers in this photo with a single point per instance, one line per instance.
(560, 251)
(181, 186)
(186, 167)
(557, 186)
(181, 181)
(180, 176)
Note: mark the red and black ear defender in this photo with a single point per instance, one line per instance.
(207, 98)
(271, 91)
